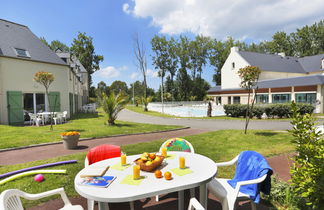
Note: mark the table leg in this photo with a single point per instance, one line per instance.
(103, 206)
(203, 195)
(181, 200)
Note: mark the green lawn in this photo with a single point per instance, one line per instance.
(218, 145)
(90, 125)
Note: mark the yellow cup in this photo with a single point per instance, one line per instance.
(123, 159)
(182, 162)
(164, 152)
(136, 172)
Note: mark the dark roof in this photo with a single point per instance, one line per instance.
(277, 83)
(14, 35)
(270, 62)
(311, 63)
(278, 63)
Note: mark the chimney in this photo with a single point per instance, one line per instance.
(282, 54)
(234, 49)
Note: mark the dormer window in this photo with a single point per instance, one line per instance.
(233, 65)
(22, 53)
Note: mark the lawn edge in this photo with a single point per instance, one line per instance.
(92, 138)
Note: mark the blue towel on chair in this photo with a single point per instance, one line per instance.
(252, 165)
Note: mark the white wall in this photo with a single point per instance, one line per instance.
(278, 75)
(18, 74)
(230, 77)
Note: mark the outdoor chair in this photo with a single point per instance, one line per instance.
(252, 176)
(194, 204)
(178, 144)
(34, 119)
(96, 154)
(10, 199)
(58, 118)
(64, 116)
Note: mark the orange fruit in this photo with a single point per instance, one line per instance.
(152, 156)
(158, 174)
(168, 175)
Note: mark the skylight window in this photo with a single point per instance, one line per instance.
(22, 52)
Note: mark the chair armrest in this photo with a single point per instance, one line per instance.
(194, 204)
(252, 181)
(47, 194)
(228, 163)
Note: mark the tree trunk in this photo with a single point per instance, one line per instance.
(162, 98)
(247, 114)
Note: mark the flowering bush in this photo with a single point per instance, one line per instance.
(70, 133)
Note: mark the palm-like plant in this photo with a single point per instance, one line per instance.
(113, 104)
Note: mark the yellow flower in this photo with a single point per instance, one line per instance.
(70, 133)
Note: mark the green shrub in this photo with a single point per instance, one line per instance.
(281, 194)
(308, 169)
(258, 111)
(305, 108)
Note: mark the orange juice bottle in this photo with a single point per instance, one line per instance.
(164, 152)
(123, 159)
(182, 162)
(136, 172)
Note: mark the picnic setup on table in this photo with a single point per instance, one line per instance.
(111, 176)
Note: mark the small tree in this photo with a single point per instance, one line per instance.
(113, 104)
(46, 79)
(249, 77)
(307, 172)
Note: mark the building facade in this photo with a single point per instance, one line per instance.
(22, 54)
(282, 79)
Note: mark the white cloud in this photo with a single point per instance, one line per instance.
(151, 73)
(135, 76)
(111, 72)
(126, 8)
(220, 18)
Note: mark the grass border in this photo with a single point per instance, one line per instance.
(92, 138)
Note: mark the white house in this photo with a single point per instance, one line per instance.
(282, 79)
(22, 54)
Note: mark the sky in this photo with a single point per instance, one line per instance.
(113, 23)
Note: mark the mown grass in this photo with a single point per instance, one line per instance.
(218, 145)
(89, 125)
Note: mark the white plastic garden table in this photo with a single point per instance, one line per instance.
(204, 170)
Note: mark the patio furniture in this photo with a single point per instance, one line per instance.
(203, 171)
(34, 119)
(58, 118)
(178, 144)
(98, 153)
(252, 175)
(194, 204)
(10, 199)
(64, 117)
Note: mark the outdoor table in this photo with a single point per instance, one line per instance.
(204, 170)
(46, 115)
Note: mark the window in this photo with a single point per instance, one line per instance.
(236, 100)
(280, 98)
(64, 59)
(22, 52)
(308, 98)
(229, 101)
(262, 99)
(33, 103)
(233, 65)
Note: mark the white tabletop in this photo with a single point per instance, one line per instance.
(204, 170)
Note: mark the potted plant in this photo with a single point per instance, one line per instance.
(70, 139)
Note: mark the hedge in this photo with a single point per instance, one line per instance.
(271, 110)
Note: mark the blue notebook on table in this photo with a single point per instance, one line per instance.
(98, 181)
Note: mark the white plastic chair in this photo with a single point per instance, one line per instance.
(33, 119)
(10, 199)
(226, 193)
(64, 116)
(58, 118)
(194, 204)
(192, 190)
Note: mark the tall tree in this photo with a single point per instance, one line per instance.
(118, 86)
(141, 63)
(56, 44)
(82, 47)
(280, 43)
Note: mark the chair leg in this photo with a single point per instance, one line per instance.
(90, 204)
(157, 198)
(253, 205)
(131, 204)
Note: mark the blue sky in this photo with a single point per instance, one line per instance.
(112, 23)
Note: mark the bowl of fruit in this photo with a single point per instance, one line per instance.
(149, 161)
